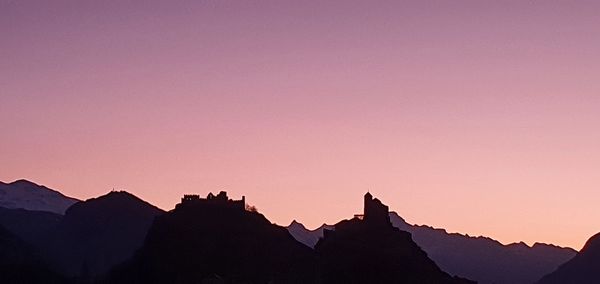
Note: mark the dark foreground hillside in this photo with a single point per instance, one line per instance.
(215, 240)
(482, 259)
(20, 263)
(369, 249)
(584, 268)
(97, 234)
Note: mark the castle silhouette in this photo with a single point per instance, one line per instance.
(220, 199)
(375, 212)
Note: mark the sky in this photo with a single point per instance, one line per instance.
(479, 117)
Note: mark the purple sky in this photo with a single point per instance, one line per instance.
(474, 116)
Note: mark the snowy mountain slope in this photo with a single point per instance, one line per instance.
(30, 196)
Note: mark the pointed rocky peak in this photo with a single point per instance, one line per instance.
(296, 224)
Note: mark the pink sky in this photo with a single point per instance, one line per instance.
(480, 118)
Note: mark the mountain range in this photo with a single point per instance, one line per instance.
(119, 238)
(479, 258)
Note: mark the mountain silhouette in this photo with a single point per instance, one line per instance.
(30, 226)
(368, 249)
(21, 264)
(306, 236)
(486, 260)
(584, 268)
(216, 240)
(478, 258)
(96, 234)
(28, 195)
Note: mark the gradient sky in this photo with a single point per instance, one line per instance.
(482, 118)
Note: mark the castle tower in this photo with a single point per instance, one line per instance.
(375, 212)
(368, 200)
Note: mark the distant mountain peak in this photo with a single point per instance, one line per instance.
(28, 195)
(300, 226)
(296, 224)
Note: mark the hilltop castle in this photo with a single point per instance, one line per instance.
(220, 199)
(375, 212)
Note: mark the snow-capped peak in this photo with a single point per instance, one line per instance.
(30, 196)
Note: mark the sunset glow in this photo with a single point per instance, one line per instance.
(470, 116)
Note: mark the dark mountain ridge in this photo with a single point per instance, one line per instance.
(21, 263)
(479, 258)
(584, 268)
(96, 234)
(31, 226)
(216, 239)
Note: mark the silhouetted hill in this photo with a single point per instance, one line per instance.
(584, 268)
(216, 239)
(31, 226)
(371, 250)
(98, 233)
(479, 258)
(20, 264)
(28, 195)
